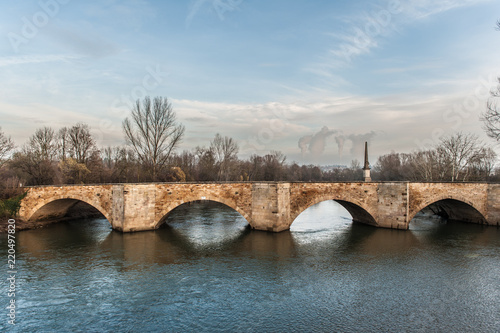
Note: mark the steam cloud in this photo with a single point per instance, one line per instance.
(314, 145)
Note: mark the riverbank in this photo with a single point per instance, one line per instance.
(25, 225)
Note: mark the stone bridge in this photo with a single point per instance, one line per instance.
(270, 206)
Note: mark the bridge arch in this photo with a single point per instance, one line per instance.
(359, 211)
(59, 205)
(456, 207)
(167, 209)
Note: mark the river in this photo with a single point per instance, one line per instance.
(205, 271)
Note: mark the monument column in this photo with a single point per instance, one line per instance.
(366, 168)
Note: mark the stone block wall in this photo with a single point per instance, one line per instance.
(235, 195)
(38, 202)
(493, 204)
(270, 206)
(118, 206)
(424, 194)
(359, 199)
(392, 205)
(139, 202)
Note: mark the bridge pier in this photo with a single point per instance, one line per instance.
(134, 207)
(392, 205)
(270, 206)
(493, 204)
(118, 206)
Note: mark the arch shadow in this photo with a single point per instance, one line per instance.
(66, 208)
(453, 210)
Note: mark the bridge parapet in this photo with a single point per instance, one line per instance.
(269, 206)
(54, 201)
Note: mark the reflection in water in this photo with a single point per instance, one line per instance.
(328, 224)
(206, 223)
(206, 271)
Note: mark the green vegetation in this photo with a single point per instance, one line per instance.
(10, 207)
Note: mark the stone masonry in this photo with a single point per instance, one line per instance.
(269, 206)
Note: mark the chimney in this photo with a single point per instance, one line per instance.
(366, 168)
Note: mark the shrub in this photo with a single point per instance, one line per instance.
(10, 207)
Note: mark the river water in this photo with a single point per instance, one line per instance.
(207, 272)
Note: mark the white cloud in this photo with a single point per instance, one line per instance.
(36, 59)
(400, 122)
(420, 9)
(366, 31)
(21, 121)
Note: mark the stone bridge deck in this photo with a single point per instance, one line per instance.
(270, 206)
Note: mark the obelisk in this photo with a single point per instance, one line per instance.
(366, 168)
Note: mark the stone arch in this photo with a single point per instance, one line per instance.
(167, 209)
(359, 211)
(457, 207)
(58, 206)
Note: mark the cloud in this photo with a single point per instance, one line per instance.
(313, 146)
(366, 31)
(420, 9)
(332, 128)
(411, 68)
(315, 143)
(22, 121)
(36, 59)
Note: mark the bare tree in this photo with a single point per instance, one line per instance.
(6, 145)
(225, 151)
(108, 158)
(186, 161)
(458, 157)
(122, 164)
(426, 165)
(153, 133)
(273, 165)
(462, 150)
(62, 136)
(205, 164)
(491, 117)
(255, 169)
(388, 167)
(482, 166)
(44, 143)
(36, 161)
(81, 144)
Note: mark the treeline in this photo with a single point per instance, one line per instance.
(459, 157)
(70, 155)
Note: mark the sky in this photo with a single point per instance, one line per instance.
(312, 79)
